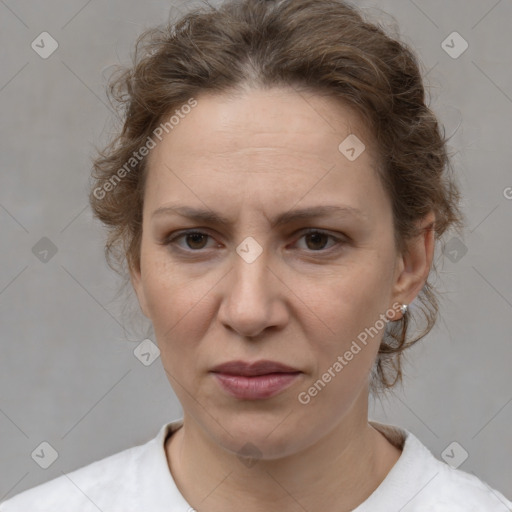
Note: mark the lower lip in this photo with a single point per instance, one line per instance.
(256, 387)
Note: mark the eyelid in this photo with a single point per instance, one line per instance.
(339, 239)
(170, 240)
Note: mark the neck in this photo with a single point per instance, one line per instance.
(339, 472)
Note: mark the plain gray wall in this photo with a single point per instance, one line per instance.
(68, 373)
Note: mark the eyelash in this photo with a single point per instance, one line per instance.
(171, 241)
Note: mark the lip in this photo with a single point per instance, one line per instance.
(255, 381)
(247, 369)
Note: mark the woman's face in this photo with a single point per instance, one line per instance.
(252, 289)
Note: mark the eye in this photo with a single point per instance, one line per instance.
(317, 240)
(197, 240)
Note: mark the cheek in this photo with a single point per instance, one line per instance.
(176, 302)
(174, 305)
(347, 322)
(344, 350)
(165, 288)
(351, 300)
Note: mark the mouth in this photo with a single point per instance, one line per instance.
(247, 369)
(255, 381)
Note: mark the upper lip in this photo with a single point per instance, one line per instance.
(261, 367)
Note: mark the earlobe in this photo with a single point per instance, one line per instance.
(415, 264)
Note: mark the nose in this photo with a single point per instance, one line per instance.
(253, 297)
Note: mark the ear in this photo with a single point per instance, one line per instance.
(136, 280)
(414, 266)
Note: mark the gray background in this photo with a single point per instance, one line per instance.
(68, 373)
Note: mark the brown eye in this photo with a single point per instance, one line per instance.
(316, 241)
(194, 241)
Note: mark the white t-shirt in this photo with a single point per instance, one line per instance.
(138, 479)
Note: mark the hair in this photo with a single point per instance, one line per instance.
(322, 46)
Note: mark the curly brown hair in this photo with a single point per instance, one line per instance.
(323, 46)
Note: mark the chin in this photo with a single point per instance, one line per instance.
(264, 436)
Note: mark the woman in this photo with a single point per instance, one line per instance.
(277, 191)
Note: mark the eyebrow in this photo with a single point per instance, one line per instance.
(208, 216)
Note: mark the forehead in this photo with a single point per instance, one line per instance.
(269, 143)
(308, 124)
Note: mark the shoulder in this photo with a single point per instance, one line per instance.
(79, 489)
(454, 490)
(419, 481)
(113, 483)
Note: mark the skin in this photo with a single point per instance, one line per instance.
(302, 302)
